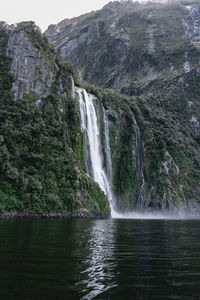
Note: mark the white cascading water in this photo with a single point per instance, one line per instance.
(89, 123)
(107, 147)
(140, 169)
(73, 87)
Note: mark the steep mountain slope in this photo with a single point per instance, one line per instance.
(150, 52)
(41, 167)
(131, 45)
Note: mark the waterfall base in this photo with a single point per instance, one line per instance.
(177, 214)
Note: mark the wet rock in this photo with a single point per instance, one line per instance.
(31, 71)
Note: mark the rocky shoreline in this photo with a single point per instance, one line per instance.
(78, 215)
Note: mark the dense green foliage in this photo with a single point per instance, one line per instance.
(167, 126)
(35, 158)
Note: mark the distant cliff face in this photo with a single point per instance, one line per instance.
(131, 45)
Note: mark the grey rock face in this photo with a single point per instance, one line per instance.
(131, 46)
(192, 23)
(30, 69)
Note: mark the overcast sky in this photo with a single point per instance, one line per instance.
(46, 12)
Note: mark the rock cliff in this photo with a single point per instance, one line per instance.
(132, 46)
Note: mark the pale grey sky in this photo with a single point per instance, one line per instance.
(46, 12)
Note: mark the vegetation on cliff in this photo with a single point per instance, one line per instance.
(170, 137)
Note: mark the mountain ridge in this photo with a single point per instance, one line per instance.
(134, 44)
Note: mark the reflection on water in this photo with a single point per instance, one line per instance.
(100, 259)
(99, 265)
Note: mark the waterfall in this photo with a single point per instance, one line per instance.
(73, 87)
(91, 132)
(93, 154)
(107, 146)
(140, 201)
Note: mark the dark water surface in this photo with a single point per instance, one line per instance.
(100, 259)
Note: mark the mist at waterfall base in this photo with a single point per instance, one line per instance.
(94, 163)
